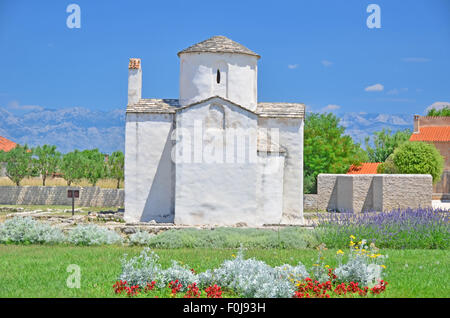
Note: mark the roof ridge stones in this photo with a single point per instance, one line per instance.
(263, 109)
(219, 44)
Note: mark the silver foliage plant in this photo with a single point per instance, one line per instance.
(92, 234)
(363, 265)
(249, 277)
(140, 238)
(27, 230)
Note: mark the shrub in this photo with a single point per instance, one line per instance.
(445, 111)
(141, 269)
(26, 230)
(419, 157)
(92, 234)
(290, 237)
(388, 166)
(363, 265)
(419, 228)
(140, 238)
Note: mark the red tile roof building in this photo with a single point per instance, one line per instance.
(6, 145)
(435, 130)
(364, 168)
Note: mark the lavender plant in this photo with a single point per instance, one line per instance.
(419, 228)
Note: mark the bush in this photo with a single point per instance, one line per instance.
(28, 231)
(140, 238)
(419, 157)
(290, 237)
(420, 228)
(93, 235)
(388, 166)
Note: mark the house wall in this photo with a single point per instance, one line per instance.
(149, 170)
(238, 78)
(223, 192)
(291, 139)
(270, 188)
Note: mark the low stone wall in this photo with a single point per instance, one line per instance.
(39, 195)
(375, 192)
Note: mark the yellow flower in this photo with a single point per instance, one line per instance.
(327, 266)
(383, 266)
(339, 252)
(352, 243)
(233, 255)
(352, 237)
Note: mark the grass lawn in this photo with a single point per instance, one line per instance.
(40, 271)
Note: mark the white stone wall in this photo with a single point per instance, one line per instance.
(149, 170)
(270, 188)
(291, 139)
(221, 192)
(238, 78)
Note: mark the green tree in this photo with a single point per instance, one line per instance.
(46, 161)
(439, 112)
(94, 165)
(419, 157)
(327, 149)
(18, 163)
(72, 166)
(116, 166)
(384, 143)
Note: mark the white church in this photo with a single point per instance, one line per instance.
(215, 155)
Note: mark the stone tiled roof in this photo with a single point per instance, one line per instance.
(219, 44)
(281, 110)
(277, 110)
(154, 105)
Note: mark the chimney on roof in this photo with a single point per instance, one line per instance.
(134, 81)
(416, 124)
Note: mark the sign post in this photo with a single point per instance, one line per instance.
(73, 194)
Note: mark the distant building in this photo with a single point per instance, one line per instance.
(436, 130)
(364, 168)
(5, 145)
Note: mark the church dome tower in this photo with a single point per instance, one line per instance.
(221, 67)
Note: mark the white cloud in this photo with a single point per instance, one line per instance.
(416, 59)
(16, 106)
(292, 66)
(374, 88)
(326, 63)
(437, 106)
(330, 108)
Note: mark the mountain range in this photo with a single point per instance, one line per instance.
(82, 128)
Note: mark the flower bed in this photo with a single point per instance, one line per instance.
(360, 275)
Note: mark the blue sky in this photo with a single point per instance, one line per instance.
(320, 53)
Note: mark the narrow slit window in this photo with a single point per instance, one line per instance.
(218, 77)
